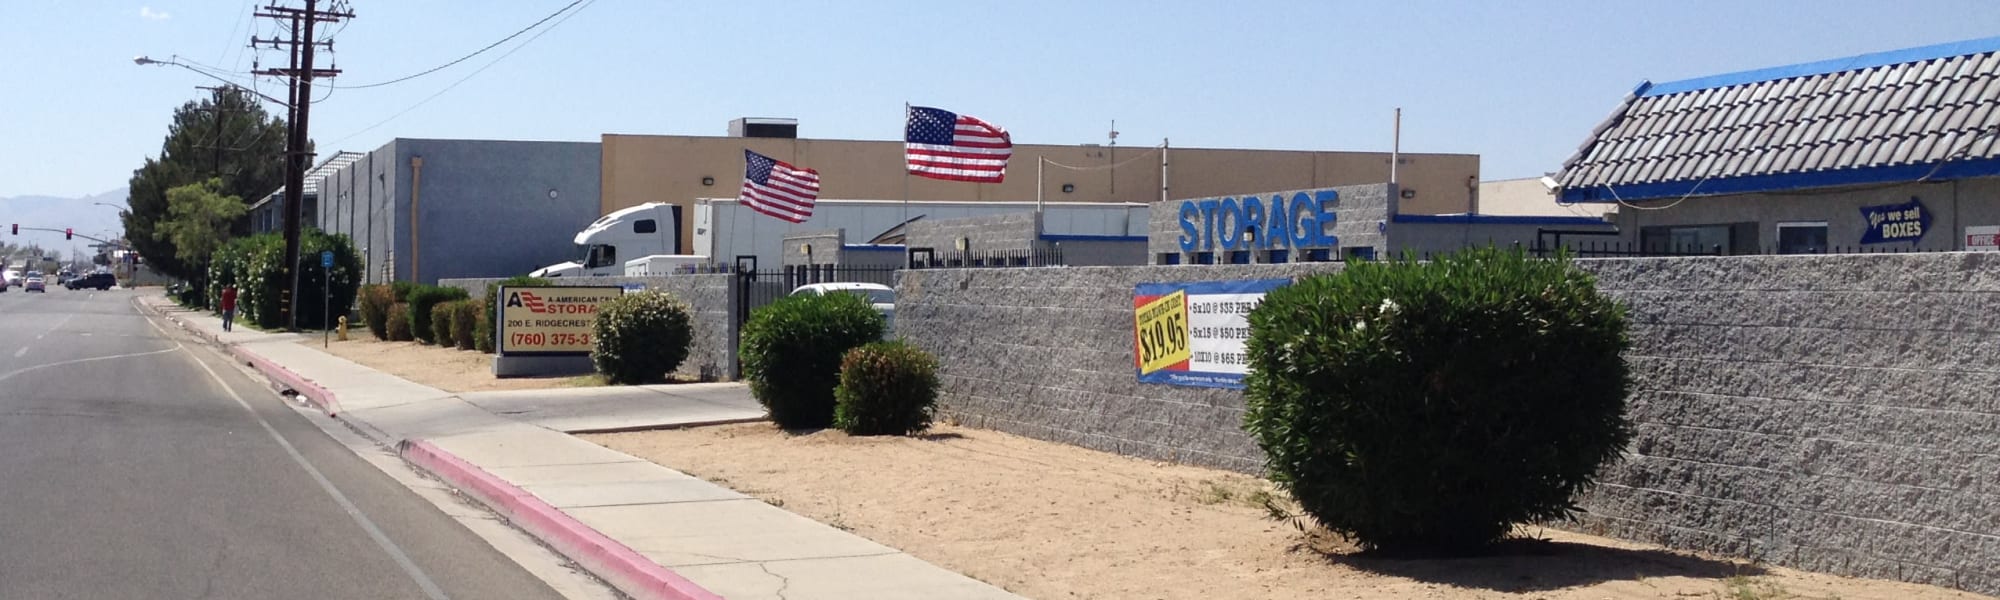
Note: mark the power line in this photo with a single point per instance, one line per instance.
(461, 59)
(455, 84)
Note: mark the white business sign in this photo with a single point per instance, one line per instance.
(1982, 238)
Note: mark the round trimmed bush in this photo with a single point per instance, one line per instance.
(886, 388)
(641, 337)
(423, 299)
(398, 324)
(464, 322)
(375, 302)
(791, 353)
(482, 328)
(442, 316)
(1430, 406)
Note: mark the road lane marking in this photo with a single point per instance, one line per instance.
(402, 558)
(22, 352)
(11, 374)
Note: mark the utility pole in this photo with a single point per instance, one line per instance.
(218, 111)
(298, 156)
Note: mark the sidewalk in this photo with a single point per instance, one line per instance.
(650, 531)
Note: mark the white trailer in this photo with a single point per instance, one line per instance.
(725, 229)
(665, 264)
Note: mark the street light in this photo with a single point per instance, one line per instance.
(144, 60)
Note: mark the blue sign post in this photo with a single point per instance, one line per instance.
(1892, 223)
(326, 306)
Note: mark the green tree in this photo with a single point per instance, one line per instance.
(199, 219)
(227, 136)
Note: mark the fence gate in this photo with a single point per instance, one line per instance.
(755, 288)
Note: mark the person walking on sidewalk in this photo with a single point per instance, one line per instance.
(228, 306)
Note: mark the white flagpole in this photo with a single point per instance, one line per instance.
(1039, 162)
(906, 168)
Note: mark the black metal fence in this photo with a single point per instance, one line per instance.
(755, 288)
(928, 258)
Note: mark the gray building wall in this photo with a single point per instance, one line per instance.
(1102, 253)
(826, 247)
(484, 208)
(1422, 238)
(1360, 217)
(1833, 413)
(1955, 205)
(710, 298)
(1011, 231)
(876, 256)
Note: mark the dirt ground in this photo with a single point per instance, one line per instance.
(1053, 521)
(448, 369)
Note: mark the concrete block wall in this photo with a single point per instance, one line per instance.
(711, 298)
(1831, 413)
(1047, 353)
(826, 247)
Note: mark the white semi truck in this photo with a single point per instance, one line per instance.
(725, 230)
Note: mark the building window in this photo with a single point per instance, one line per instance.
(1170, 258)
(1354, 253)
(1239, 257)
(645, 226)
(1802, 237)
(1687, 239)
(1204, 258)
(1280, 256)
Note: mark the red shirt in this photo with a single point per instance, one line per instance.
(229, 299)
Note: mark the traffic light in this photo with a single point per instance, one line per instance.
(17, 229)
(68, 233)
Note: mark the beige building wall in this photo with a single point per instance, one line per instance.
(670, 168)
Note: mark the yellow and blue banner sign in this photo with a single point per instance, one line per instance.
(1192, 333)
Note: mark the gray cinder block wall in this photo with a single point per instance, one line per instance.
(1832, 413)
(710, 297)
(1010, 231)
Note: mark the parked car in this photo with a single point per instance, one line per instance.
(13, 277)
(99, 281)
(34, 283)
(882, 297)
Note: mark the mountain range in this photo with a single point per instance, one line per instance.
(86, 216)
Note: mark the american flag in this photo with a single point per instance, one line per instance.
(778, 189)
(941, 144)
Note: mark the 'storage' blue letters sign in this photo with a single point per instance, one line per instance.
(1274, 221)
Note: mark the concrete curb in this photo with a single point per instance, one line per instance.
(623, 568)
(318, 396)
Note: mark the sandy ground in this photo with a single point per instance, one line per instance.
(1052, 521)
(448, 369)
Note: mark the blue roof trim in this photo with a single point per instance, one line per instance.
(1073, 237)
(1958, 169)
(1865, 61)
(1464, 219)
(872, 247)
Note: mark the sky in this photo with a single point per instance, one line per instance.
(1518, 83)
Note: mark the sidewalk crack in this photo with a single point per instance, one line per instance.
(785, 582)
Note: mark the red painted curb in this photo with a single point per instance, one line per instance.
(624, 568)
(314, 393)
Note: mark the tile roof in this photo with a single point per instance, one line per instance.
(1906, 115)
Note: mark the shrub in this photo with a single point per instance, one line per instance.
(422, 300)
(886, 388)
(375, 302)
(255, 265)
(791, 353)
(442, 316)
(401, 290)
(641, 337)
(482, 327)
(398, 324)
(1430, 406)
(464, 322)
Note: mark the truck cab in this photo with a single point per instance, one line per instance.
(625, 234)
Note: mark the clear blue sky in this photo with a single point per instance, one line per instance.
(1518, 83)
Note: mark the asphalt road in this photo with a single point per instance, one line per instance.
(128, 470)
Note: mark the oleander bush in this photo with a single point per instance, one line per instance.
(375, 302)
(398, 324)
(791, 352)
(464, 323)
(423, 299)
(1430, 406)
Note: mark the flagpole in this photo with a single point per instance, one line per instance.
(906, 169)
(1039, 162)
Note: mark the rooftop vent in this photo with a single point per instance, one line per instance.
(764, 127)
